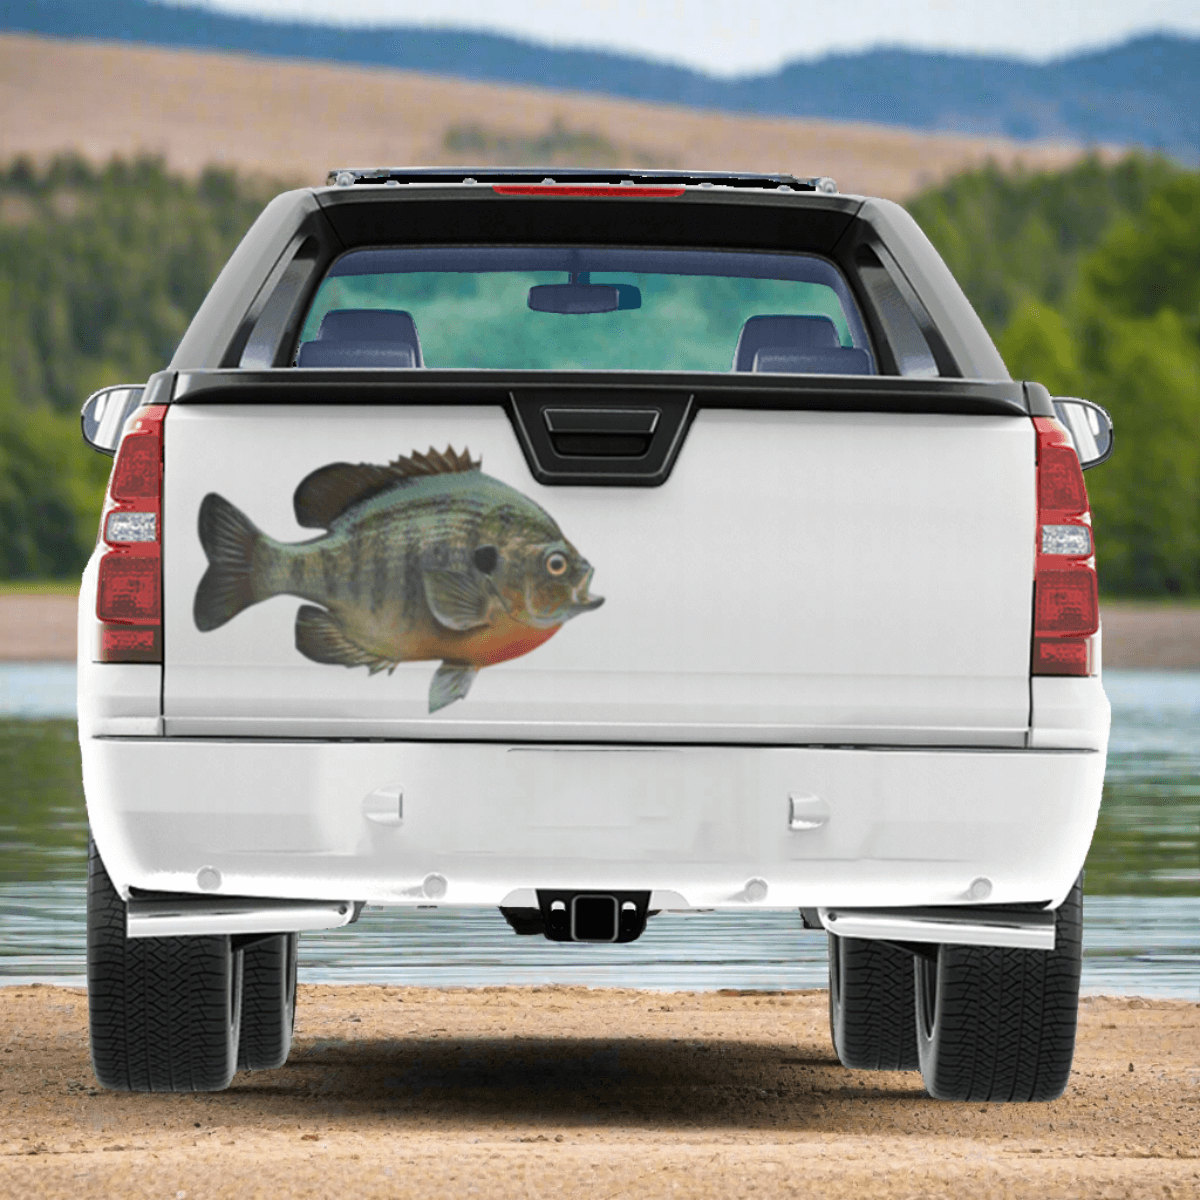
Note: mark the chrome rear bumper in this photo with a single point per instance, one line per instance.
(1021, 930)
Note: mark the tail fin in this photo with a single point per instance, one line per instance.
(232, 543)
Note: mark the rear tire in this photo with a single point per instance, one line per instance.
(164, 1013)
(268, 1002)
(871, 1005)
(998, 1024)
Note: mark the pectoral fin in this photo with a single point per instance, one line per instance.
(458, 600)
(320, 637)
(451, 681)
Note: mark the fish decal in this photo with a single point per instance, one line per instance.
(422, 558)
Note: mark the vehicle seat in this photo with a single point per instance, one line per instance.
(797, 345)
(363, 337)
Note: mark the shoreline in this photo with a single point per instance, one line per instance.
(39, 626)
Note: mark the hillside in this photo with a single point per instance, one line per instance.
(1145, 92)
(298, 119)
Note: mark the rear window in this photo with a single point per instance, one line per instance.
(571, 307)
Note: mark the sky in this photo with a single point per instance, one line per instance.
(730, 37)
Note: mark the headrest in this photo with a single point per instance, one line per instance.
(786, 334)
(845, 360)
(357, 354)
(363, 337)
(367, 325)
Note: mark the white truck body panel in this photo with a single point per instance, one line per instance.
(802, 577)
(373, 821)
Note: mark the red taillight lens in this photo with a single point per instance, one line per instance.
(129, 588)
(135, 473)
(1066, 610)
(1067, 602)
(1062, 656)
(131, 643)
(1060, 480)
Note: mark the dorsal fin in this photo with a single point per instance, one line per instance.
(448, 462)
(329, 491)
(324, 495)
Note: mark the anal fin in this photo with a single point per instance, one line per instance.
(451, 681)
(319, 636)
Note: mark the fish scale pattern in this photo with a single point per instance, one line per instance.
(1003, 1020)
(872, 1013)
(163, 1012)
(268, 1003)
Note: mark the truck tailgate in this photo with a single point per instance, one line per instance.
(801, 577)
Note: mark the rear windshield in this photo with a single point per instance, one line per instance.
(562, 308)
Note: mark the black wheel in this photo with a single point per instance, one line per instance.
(268, 1002)
(871, 1005)
(999, 1024)
(164, 1013)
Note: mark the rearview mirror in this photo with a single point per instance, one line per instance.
(1089, 426)
(577, 298)
(105, 413)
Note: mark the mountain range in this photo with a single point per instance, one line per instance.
(1144, 92)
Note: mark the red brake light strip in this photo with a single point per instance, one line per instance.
(563, 189)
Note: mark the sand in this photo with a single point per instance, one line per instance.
(37, 627)
(295, 120)
(41, 627)
(547, 1091)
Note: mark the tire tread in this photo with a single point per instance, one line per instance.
(871, 1005)
(159, 1009)
(1006, 1018)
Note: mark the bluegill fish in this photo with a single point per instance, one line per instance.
(423, 558)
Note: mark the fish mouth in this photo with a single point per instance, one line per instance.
(582, 601)
(583, 606)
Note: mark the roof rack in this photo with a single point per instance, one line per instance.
(350, 176)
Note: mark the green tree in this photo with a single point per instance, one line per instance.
(1089, 280)
(1040, 344)
(51, 489)
(1146, 498)
(1151, 264)
(1011, 236)
(101, 269)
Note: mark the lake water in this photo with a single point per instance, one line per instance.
(1142, 909)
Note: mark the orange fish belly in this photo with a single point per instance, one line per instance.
(498, 643)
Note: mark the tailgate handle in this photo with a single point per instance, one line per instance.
(585, 434)
(601, 432)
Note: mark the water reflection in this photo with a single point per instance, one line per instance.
(1148, 837)
(43, 823)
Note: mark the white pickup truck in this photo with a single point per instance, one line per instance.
(589, 547)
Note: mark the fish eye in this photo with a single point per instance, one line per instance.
(556, 563)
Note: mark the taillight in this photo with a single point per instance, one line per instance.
(1066, 606)
(129, 591)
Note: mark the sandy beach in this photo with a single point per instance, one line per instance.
(547, 1091)
(40, 627)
